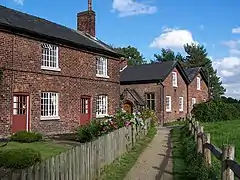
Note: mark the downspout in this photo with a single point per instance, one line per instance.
(162, 100)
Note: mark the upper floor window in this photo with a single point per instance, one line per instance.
(168, 104)
(174, 79)
(49, 105)
(102, 67)
(50, 57)
(198, 83)
(180, 103)
(150, 99)
(102, 106)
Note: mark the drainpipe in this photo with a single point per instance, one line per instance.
(162, 100)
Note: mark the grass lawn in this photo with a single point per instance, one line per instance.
(119, 168)
(178, 162)
(226, 132)
(47, 149)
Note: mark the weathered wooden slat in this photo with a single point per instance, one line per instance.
(215, 150)
(234, 166)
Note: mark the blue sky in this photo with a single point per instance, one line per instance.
(150, 25)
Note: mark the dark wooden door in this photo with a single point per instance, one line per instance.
(20, 113)
(128, 108)
(85, 110)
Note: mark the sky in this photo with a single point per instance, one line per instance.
(150, 25)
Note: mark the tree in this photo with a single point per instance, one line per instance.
(197, 56)
(132, 54)
(167, 55)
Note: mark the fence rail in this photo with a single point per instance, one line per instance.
(86, 161)
(229, 167)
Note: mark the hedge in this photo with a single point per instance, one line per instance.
(26, 137)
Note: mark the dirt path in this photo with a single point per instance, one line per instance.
(155, 163)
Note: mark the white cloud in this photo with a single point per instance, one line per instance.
(232, 44)
(234, 52)
(173, 38)
(236, 30)
(131, 8)
(20, 2)
(228, 69)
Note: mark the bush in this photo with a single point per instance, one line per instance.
(215, 110)
(89, 131)
(146, 114)
(26, 137)
(19, 158)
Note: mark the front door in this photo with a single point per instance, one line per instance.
(20, 113)
(128, 107)
(85, 110)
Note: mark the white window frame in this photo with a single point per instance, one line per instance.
(174, 79)
(102, 106)
(194, 101)
(55, 116)
(102, 67)
(181, 104)
(50, 57)
(169, 109)
(198, 83)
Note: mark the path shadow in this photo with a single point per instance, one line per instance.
(166, 159)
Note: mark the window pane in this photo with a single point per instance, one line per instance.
(49, 56)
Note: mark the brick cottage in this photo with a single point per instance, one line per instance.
(165, 87)
(54, 78)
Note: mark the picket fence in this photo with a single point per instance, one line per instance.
(86, 161)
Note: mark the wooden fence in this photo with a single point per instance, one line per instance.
(229, 167)
(86, 161)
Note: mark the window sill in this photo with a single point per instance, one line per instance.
(175, 86)
(50, 68)
(46, 118)
(101, 115)
(168, 111)
(181, 111)
(102, 76)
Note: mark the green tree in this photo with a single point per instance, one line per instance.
(132, 54)
(168, 55)
(197, 56)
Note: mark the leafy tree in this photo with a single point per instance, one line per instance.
(197, 56)
(168, 55)
(132, 54)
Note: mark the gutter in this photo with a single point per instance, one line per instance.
(162, 101)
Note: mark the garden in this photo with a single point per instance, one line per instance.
(27, 148)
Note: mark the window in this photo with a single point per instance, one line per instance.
(19, 105)
(168, 104)
(193, 101)
(180, 103)
(49, 105)
(50, 57)
(174, 79)
(150, 99)
(198, 83)
(85, 105)
(102, 106)
(102, 67)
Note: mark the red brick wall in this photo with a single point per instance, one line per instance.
(200, 95)
(147, 88)
(175, 93)
(77, 77)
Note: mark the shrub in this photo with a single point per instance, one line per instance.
(26, 137)
(89, 131)
(215, 110)
(146, 114)
(19, 158)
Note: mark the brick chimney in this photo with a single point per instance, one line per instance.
(86, 20)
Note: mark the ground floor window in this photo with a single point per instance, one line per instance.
(180, 104)
(168, 104)
(194, 101)
(102, 105)
(150, 99)
(49, 105)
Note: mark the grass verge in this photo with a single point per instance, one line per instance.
(178, 160)
(47, 149)
(120, 167)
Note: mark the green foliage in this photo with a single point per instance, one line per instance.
(215, 110)
(121, 118)
(195, 168)
(149, 114)
(89, 131)
(26, 137)
(19, 158)
(132, 54)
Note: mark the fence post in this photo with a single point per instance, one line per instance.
(199, 139)
(189, 125)
(227, 154)
(195, 130)
(206, 151)
(193, 124)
